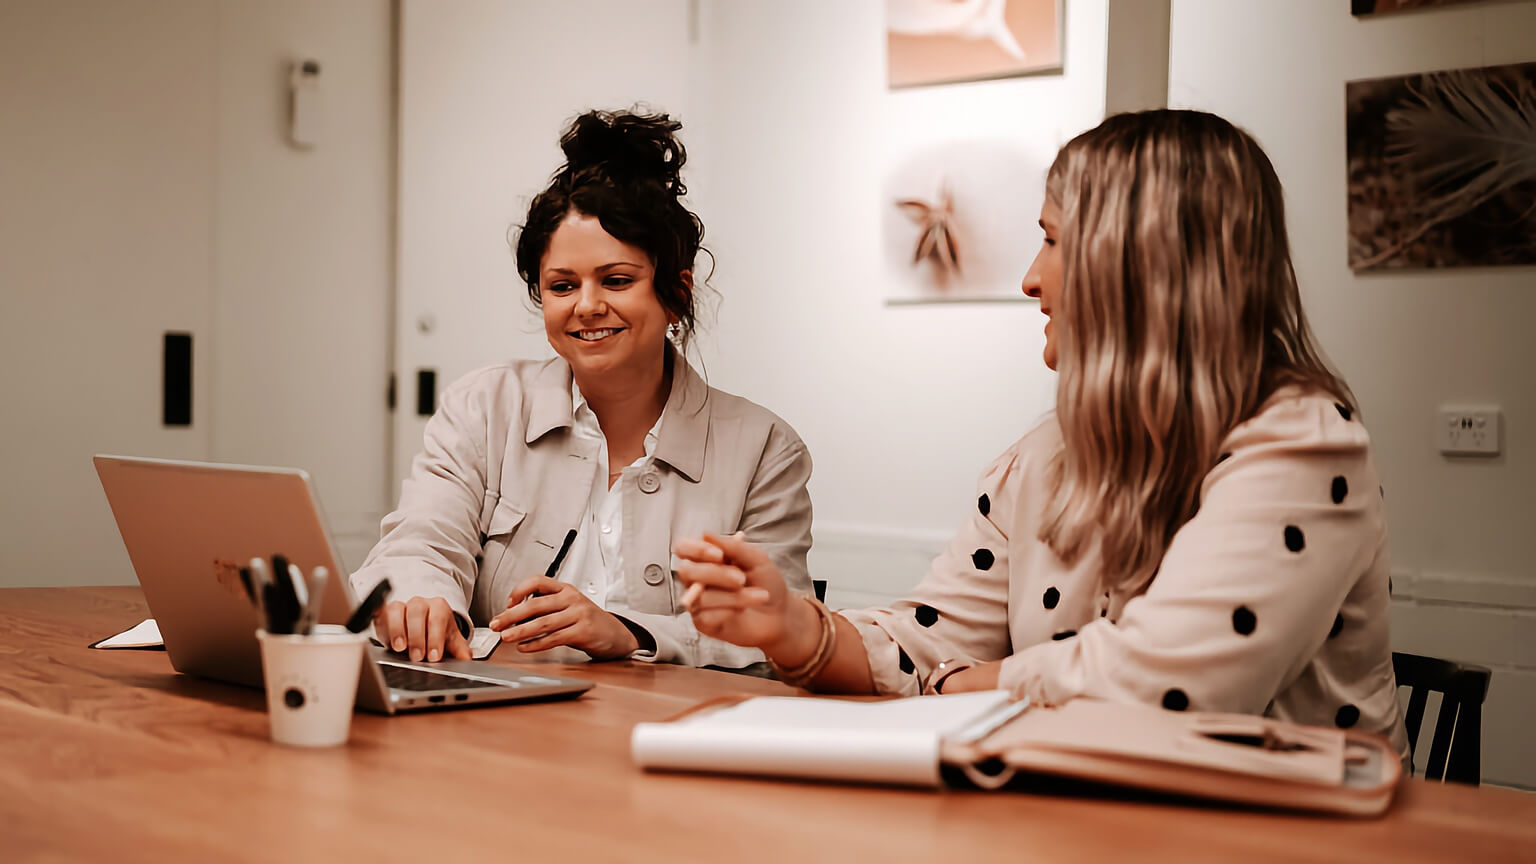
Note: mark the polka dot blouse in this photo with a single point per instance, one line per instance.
(1271, 600)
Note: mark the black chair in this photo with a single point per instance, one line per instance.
(820, 587)
(1455, 754)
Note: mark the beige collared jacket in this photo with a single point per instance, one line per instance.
(502, 478)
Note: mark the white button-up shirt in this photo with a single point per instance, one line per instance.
(594, 564)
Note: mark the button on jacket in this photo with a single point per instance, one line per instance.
(502, 477)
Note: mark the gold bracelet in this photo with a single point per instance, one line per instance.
(826, 644)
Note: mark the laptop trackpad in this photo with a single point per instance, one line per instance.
(401, 674)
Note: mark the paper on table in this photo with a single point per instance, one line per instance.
(895, 741)
(145, 634)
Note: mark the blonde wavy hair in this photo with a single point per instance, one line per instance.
(1179, 316)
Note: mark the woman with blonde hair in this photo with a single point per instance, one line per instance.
(1198, 525)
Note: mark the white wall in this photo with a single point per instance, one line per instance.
(106, 198)
(902, 406)
(304, 253)
(1406, 341)
(145, 186)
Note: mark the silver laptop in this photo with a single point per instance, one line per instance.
(189, 525)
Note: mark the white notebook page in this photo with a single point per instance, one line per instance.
(893, 741)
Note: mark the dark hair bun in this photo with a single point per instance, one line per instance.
(626, 146)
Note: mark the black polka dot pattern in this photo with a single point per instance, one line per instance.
(1065, 634)
(1051, 598)
(906, 662)
(983, 559)
(1339, 489)
(1244, 621)
(1176, 700)
(926, 615)
(984, 504)
(1294, 540)
(1344, 410)
(1338, 625)
(1347, 717)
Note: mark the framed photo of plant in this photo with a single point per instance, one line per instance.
(959, 221)
(1442, 169)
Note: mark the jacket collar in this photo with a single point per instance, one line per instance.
(550, 405)
(684, 423)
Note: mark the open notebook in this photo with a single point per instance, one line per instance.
(1229, 757)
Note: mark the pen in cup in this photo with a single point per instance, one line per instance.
(245, 582)
(316, 587)
(300, 600)
(284, 615)
(266, 593)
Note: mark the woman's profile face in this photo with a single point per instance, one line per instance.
(599, 302)
(1043, 281)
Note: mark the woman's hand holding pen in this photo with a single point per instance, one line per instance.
(424, 626)
(736, 593)
(544, 613)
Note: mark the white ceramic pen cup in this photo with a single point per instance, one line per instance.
(311, 684)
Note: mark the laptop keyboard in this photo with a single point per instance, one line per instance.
(405, 678)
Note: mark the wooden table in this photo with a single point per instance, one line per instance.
(112, 756)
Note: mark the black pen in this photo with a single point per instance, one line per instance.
(286, 619)
(370, 605)
(271, 603)
(250, 588)
(554, 566)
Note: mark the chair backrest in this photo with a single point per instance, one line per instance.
(1455, 753)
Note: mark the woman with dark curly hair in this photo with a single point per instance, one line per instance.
(616, 439)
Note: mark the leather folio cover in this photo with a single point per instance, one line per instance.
(1236, 758)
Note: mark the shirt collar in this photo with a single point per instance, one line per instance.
(584, 420)
(680, 435)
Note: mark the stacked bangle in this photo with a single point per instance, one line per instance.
(799, 676)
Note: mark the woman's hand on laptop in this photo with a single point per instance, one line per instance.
(544, 613)
(423, 626)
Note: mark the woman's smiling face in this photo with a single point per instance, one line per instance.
(599, 302)
(1043, 281)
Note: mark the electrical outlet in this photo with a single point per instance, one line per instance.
(1468, 430)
